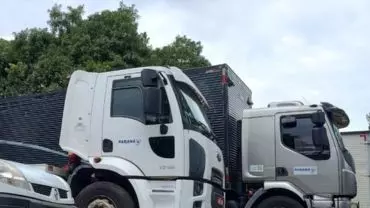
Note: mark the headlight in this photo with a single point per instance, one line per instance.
(12, 176)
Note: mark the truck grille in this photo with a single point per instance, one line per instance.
(217, 177)
(217, 200)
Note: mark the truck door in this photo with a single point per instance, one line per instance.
(301, 163)
(131, 135)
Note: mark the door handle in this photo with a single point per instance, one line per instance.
(281, 171)
(107, 145)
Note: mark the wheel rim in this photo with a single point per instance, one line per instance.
(102, 202)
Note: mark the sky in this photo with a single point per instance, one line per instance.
(282, 49)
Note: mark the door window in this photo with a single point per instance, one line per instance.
(128, 101)
(299, 139)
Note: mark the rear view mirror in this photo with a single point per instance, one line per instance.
(149, 78)
(339, 117)
(318, 118)
(319, 137)
(153, 101)
(289, 122)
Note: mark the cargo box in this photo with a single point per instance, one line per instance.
(227, 96)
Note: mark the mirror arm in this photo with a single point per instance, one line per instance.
(163, 80)
(163, 128)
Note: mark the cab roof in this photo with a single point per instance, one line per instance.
(170, 70)
(337, 115)
(270, 111)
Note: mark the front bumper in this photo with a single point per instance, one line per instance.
(328, 202)
(16, 201)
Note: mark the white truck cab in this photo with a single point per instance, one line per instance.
(23, 185)
(142, 139)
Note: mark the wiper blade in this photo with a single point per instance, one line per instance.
(213, 136)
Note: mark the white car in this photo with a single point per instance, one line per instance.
(23, 185)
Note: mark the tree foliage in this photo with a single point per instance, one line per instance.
(41, 59)
(182, 52)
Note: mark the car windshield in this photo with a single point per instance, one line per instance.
(193, 110)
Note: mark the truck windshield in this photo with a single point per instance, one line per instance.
(193, 111)
(347, 155)
(338, 137)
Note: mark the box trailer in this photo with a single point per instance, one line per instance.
(228, 96)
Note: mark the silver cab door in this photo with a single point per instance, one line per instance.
(299, 162)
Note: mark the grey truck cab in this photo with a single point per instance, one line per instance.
(286, 155)
(293, 156)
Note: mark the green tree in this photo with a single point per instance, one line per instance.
(4, 56)
(183, 53)
(41, 59)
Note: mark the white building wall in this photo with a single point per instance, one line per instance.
(355, 143)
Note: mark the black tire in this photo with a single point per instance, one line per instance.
(114, 193)
(279, 202)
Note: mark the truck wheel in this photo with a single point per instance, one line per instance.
(279, 202)
(104, 195)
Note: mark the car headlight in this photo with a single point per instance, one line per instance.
(12, 176)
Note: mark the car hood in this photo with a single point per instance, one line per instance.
(39, 176)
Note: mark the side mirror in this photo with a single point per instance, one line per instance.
(289, 122)
(152, 101)
(318, 118)
(149, 78)
(319, 137)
